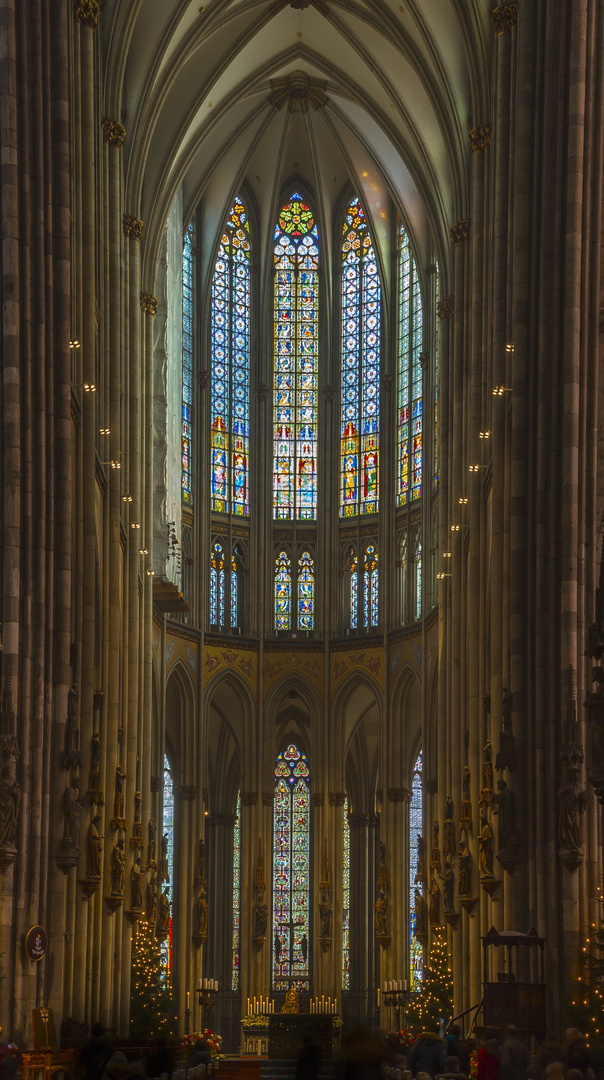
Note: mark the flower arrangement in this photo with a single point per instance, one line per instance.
(473, 1065)
(255, 1020)
(212, 1040)
(337, 1022)
(399, 1042)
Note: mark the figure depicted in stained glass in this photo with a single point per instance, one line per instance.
(283, 592)
(295, 408)
(306, 592)
(187, 363)
(410, 394)
(217, 585)
(236, 892)
(346, 901)
(291, 870)
(417, 883)
(168, 857)
(361, 331)
(230, 366)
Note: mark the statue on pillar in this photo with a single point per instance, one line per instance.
(94, 793)
(486, 790)
(435, 855)
(465, 871)
(448, 828)
(10, 801)
(465, 817)
(449, 888)
(572, 803)
(421, 915)
(118, 868)
(163, 922)
(118, 821)
(381, 901)
(151, 850)
(200, 912)
(136, 885)
(260, 913)
(434, 905)
(151, 910)
(485, 850)
(94, 848)
(72, 805)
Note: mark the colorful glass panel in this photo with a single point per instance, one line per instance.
(354, 594)
(296, 305)
(306, 591)
(168, 832)
(370, 588)
(283, 592)
(436, 335)
(236, 893)
(217, 586)
(418, 581)
(230, 367)
(234, 592)
(416, 951)
(187, 363)
(346, 900)
(410, 399)
(291, 870)
(361, 332)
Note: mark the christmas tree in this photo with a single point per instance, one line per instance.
(436, 999)
(151, 1005)
(587, 1005)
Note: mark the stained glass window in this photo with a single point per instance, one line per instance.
(418, 580)
(296, 255)
(283, 592)
(187, 362)
(306, 591)
(354, 592)
(346, 901)
(436, 336)
(416, 883)
(230, 367)
(370, 587)
(168, 832)
(234, 591)
(361, 328)
(236, 893)
(217, 585)
(410, 320)
(291, 870)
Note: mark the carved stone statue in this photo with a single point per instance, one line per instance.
(138, 804)
(118, 868)
(503, 806)
(448, 808)
(466, 776)
(118, 804)
(485, 850)
(163, 923)
(136, 885)
(95, 752)
(163, 859)
(72, 804)
(381, 908)
(95, 848)
(151, 831)
(465, 871)
(10, 801)
(572, 804)
(201, 913)
(449, 887)
(486, 791)
(260, 913)
(421, 914)
(506, 709)
(434, 906)
(151, 910)
(325, 913)
(435, 834)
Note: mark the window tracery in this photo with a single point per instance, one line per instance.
(291, 870)
(294, 591)
(187, 363)
(410, 395)
(346, 900)
(363, 588)
(236, 894)
(168, 833)
(225, 586)
(417, 883)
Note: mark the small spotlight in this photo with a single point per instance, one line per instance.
(473, 468)
(74, 344)
(509, 346)
(104, 431)
(135, 524)
(447, 554)
(126, 498)
(441, 575)
(143, 551)
(115, 464)
(484, 434)
(150, 573)
(89, 388)
(463, 500)
(455, 528)
(499, 391)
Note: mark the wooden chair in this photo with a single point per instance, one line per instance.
(45, 1041)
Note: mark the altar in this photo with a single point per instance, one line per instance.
(287, 1032)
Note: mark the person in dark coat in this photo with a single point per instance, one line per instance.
(489, 1061)
(452, 1071)
(577, 1051)
(456, 1047)
(96, 1053)
(429, 1055)
(549, 1051)
(161, 1059)
(513, 1056)
(309, 1060)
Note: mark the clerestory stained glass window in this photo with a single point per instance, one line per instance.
(291, 870)
(418, 580)
(283, 592)
(361, 330)
(230, 367)
(296, 306)
(364, 592)
(217, 585)
(306, 591)
(346, 900)
(417, 884)
(168, 834)
(187, 363)
(410, 323)
(225, 587)
(435, 417)
(236, 894)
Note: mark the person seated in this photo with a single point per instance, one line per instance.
(488, 1061)
(451, 1070)
(96, 1053)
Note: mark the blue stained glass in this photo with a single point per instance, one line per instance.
(361, 350)
(168, 832)
(187, 363)
(418, 581)
(217, 586)
(295, 388)
(236, 895)
(370, 588)
(346, 901)
(354, 594)
(291, 870)
(306, 591)
(416, 951)
(230, 367)
(283, 592)
(409, 399)
(234, 592)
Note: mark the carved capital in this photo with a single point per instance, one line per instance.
(446, 307)
(187, 791)
(432, 269)
(218, 818)
(133, 226)
(149, 303)
(505, 16)
(479, 138)
(87, 12)
(328, 392)
(154, 785)
(460, 232)
(203, 379)
(399, 794)
(337, 798)
(249, 798)
(359, 820)
(267, 798)
(262, 391)
(317, 798)
(114, 133)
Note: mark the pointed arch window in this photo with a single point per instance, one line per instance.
(225, 586)
(217, 586)
(283, 592)
(417, 884)
(418, 579)
(291, 870)
(306, 591)
(296, 305)
(361, 331)
(168, 833)
(187, 363)
(230, 367)
(364, 589)
(346, 900)
(236, 894)
(410, 399)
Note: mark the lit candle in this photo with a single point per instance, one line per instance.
(335, 1005)
(205, 984)
(248, 1006)
(187, 999)
(404, 984)
(378, 996)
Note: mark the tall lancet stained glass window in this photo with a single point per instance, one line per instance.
(291, 870)
(296, 255)
(187, 363)
(361, 323)
(410, 323)
(417, 883)
(168, 868)
(230, 367)
(346, 900)
(236, 894)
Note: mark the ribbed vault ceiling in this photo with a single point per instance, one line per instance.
(374, 97)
